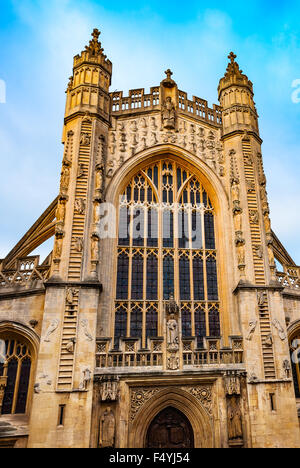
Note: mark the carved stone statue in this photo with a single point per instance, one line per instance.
(80, 205)
(254, 216)
(71, 292)
(85, 139)
(78, 241)
(70, 347)
(262, 298)
(65, 179)
(287, 368)
(241, 254)
(60, 212)
(51, 329)
(235, 189)
(95, 248)
(99, 177)
(252, 327)
(107, 429)
(281, 332)
(169, 114)
(85, 325)
(235, 430)
(58, 248)
(172, 332)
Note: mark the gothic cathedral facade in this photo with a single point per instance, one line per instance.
(168, 313)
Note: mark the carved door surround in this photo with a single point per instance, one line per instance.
(193, 402)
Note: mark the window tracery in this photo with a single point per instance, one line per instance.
(166, 245)
(15, 368)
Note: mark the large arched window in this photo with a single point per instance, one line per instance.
(15, 367)
(166, 246)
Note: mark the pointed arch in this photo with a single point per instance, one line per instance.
(182, 401)
(220, 201)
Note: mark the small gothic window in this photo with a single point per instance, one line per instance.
(15, 368)
(166, 247)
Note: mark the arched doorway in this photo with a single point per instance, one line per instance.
(170, 429)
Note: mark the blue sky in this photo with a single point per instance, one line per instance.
(39, 39)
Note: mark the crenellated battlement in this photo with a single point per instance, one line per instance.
(87, 58)
(139, 102)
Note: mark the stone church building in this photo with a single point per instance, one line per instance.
(168, 313)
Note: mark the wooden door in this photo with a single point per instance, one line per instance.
(170, 429)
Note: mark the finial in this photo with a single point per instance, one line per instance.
(95, 34)
(95, 46)
(232, 57)
(233, 67)
(169, 73)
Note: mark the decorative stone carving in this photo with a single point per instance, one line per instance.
(87, 378)
(262, 298)
(109, 388)
(78, 244)
(203, 394)
(70, 84)
(248, 159)
(264, 200)
(259, 251)
(254, 217)
(80, 171)
(80, 206)
(139, 396)
(85, 325)
(85, 139)
(279, 328)
(107, 429)
(252, 378)
(59, 232)
(251, 330)
(250, 186)
(172, 306)
(173, 362)
(33, 323)
(37, 389)
(70, 347)
(239, 240)
(70, 295)
(232, 383)
(51, 329)
(268, 341)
